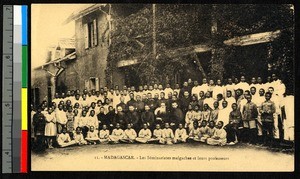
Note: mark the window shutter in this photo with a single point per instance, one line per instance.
(91, 28)
(95, 35)
(97, 84)
(86, 36)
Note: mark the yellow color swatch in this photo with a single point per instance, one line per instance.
(24, 108)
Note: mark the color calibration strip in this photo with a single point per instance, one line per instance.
(24, 137)
(14, 120)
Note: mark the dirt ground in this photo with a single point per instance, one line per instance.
(152, 157)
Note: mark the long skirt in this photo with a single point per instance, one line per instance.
(156, 141)
(50, 129)
(127, 140)
(142, 139)
(93, 139)
(204, 138)
(104, 141)
(66, 144)
(59, 127)
(70, 126)
(289, 133)
(114, 138)
(195, 138)
(221, 142)
(168, 141)
(180, 139)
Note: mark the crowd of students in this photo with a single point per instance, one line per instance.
(216, 114)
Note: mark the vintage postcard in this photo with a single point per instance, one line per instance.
(162, 87)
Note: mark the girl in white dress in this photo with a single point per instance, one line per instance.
(50, 127)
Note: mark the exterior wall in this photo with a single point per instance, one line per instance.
(69, 78)
(91, 62)
(40, 79)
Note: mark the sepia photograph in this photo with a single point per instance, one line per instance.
(162, 87)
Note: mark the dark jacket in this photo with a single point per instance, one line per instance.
(39, 123)
(147, 117)
(176, 116)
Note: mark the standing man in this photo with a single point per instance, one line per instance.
(176, 116)
(242, 84)
(204, 86)
(61, 118)
(196, 89)
(218, 89)
(250, 115)
(184, 102)
(267, 110)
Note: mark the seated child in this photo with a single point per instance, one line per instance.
(64, 140)
(210, 130)
(129, 135)
(92, 136)
(219, 137)
(203, 130)
(104, 134)
(144, 134)
(189, 118)
(157, 135)
(116, 134)
(78, 137)
(180, 134)
(168, 134)
(194, 134)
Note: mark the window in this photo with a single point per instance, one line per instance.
(92, 83)
(90, 34)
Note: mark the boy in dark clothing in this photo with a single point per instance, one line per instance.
(39, 123)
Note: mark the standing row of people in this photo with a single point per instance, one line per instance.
(245, 114)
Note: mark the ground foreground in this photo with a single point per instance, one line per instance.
(150, 157)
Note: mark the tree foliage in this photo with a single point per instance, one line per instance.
(180, 26)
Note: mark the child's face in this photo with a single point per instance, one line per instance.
(224, 104)
(195, 125)
(64, 131)
(219, 125)
(92, 129)
(216, 105)
(104, 127)
(180, 126)
(84, 113)
(157, 126)
(92, 113)
(118, 126)
(145, 126)
(234, 106)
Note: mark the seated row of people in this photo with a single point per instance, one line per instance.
(210, 134)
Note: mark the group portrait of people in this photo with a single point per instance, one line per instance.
(253, 110)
